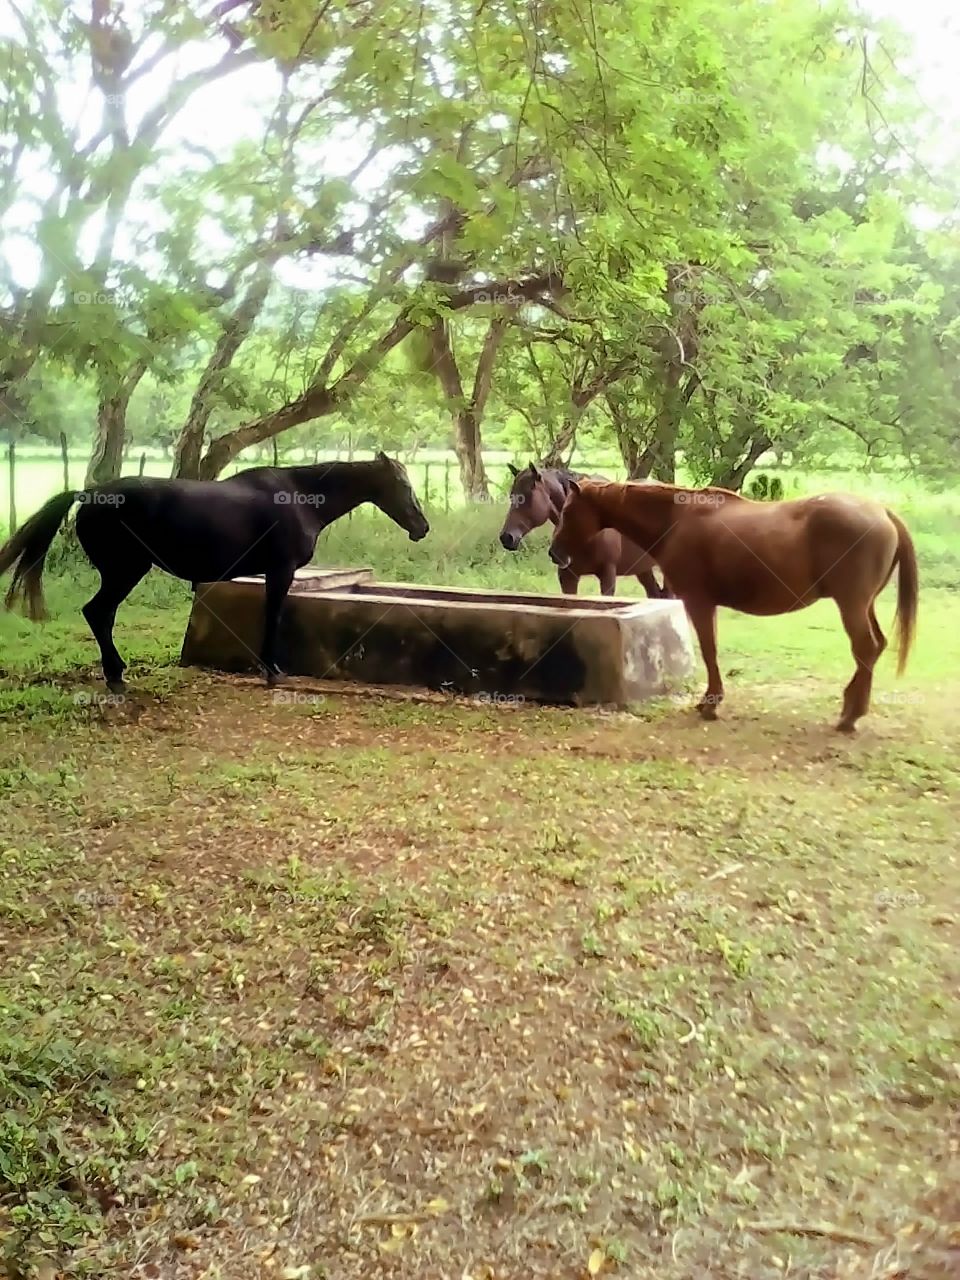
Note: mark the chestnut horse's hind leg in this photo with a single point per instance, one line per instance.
(607, 577)
(867, 642)
(569, 581)
(703, 619)
(880, 637)
(649, 583)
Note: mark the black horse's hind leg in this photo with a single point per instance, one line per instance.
(101, 614)
(277, 586)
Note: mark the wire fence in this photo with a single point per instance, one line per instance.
(34, 476)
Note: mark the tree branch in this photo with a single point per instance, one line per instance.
(320, 399)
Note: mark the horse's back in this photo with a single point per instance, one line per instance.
(199, 530)
(772, 557)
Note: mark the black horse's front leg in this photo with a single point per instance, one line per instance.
(277, 586)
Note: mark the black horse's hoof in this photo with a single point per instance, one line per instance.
(274, 677)
(117, 687)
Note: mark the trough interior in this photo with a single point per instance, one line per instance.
(470, 596)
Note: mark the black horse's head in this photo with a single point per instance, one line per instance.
(393, 494)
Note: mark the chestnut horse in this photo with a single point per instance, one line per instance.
(537, 496)
(718, 548)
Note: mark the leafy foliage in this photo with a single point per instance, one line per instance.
(740, 240)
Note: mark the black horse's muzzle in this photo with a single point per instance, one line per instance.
(419, 531)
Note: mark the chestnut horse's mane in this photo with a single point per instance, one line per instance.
(655, 488)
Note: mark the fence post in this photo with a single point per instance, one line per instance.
(143, 463)
(446, 485)
(276, 454)
(12, 462)
(426, 484)
(65, 455)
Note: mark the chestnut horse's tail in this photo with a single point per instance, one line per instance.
(908, 591)
(26, 551)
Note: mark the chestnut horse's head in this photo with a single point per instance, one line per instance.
(579, 522)
(536, 496)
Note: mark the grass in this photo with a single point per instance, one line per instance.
(345, 986)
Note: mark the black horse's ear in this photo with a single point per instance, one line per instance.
(381, 456)
(512, 469)
(533, 471)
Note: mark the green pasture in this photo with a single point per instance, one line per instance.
(318, 983)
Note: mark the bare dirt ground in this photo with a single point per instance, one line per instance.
(314, 984)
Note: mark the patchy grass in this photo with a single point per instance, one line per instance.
(358, 985)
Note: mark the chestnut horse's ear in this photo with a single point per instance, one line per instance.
(533, 471)
(512, 469)
(574, 487)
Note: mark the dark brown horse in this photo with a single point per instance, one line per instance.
(537, 495)
(262, 521)
(717, 548)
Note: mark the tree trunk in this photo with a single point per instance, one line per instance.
(659, 458)
(473, 475)
(467, 414)
(631, 449)
(731, 471)
(108, 448)
(662, 460)
(189, 447)
(565, 440)
(107, 454)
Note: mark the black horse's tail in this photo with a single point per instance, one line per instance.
(25, 551)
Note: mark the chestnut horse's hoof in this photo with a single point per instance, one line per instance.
(849, 727)
(708, 710)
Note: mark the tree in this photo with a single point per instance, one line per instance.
(94, 169)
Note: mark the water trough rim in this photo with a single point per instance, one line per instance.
(554, 604)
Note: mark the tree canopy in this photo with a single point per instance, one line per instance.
(698, 231)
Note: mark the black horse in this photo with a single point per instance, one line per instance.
(262, 521)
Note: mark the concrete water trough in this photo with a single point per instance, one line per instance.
(342, 625)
